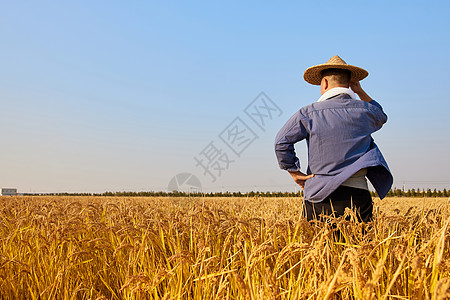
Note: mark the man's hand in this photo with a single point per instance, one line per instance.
(300, 178)
(356, 87)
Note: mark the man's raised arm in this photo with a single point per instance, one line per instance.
(356, 87)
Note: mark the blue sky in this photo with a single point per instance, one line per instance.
(114, 95)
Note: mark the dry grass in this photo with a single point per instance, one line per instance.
(219, 248)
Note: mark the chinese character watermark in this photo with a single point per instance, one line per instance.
(237, 137)
(219, 154)
(213, 161)
(262, 110)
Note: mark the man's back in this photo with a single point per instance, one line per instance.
(339, 132)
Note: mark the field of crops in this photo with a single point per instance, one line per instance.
(219, 248)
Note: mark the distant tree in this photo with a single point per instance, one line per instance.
(419, 193)
(434, 193)
(390, 193)
(408, 193)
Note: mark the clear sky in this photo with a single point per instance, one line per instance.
(124, 95)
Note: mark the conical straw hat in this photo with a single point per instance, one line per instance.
(313, 74)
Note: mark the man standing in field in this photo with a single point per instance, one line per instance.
(341, 152)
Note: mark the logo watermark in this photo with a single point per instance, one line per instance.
(185, 182)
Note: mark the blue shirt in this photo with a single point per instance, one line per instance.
(338, 134)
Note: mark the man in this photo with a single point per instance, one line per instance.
(341, 152)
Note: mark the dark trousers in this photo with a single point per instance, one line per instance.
(334, 205)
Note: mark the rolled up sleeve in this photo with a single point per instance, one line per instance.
(292, 132)
(381, 116)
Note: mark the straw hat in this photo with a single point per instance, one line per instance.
(313, 74)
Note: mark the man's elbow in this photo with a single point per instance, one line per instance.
(383, 119)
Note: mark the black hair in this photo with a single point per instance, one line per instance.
(342, 76)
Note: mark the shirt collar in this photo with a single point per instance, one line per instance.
(336, 91)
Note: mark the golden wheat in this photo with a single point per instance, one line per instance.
(219, 248)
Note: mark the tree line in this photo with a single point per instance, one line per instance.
(416, 193)
(395, 192)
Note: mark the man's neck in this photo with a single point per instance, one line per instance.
(329, 93)
(335, 86)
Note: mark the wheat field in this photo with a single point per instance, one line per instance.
(55, 247)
